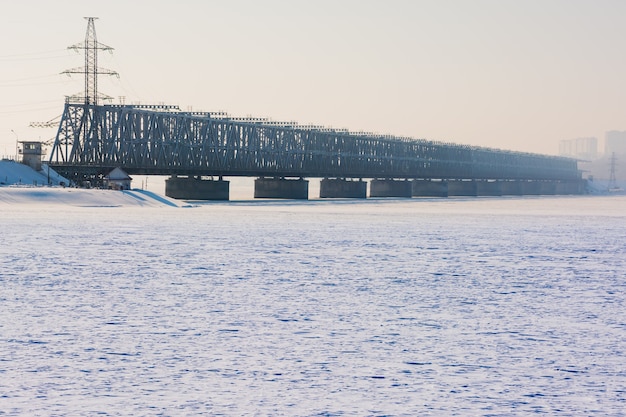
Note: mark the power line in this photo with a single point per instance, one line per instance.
(30, 110)
(58, 82)
(31, 53)
(33, 56)
(34, 103)
(39, 77)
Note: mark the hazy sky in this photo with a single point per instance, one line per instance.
(510, 74)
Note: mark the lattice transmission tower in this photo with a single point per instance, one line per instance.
(91, 71)
(612, 179)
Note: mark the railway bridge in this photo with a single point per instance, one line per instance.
(198, 149)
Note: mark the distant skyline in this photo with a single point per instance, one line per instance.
(518, 75)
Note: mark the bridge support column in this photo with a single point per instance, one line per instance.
(341, 188)
(296, 189)
(531, 187)
(429, 188)
(548, 187)
(574, 187)
(489, 188)
(512, 187)
(462, 188)
(195, 188)
(391, 188)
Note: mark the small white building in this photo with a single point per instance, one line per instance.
(117, 179)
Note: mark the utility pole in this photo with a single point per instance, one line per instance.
(91, 46)
(17, 141)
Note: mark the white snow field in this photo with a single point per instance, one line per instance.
(485, 306)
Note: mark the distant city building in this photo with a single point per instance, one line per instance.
(615, 142)
(581, 148)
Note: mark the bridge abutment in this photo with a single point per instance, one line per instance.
(342, 188)
(391, 188)
(429, 188)
(296, 189)
(195, 188)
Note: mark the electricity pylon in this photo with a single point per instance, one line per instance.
(612, 180)
(91, 69)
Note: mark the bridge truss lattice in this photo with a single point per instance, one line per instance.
(163, 140)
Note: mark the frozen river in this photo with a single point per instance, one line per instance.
(495, 307)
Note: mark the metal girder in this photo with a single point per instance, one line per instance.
(145, 140)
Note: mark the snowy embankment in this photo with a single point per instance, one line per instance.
(82, 197)
(15, 173)
(20, 184)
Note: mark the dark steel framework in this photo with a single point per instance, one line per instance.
(162, 140)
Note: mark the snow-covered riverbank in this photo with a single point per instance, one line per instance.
(83, 198)
(20, 184)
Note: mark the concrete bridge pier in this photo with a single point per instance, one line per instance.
(462, 188)
(512, 187)
(548, 187)
(429, 188)
(531, 187)
(574, 187)
(489, 188)
(279, 187)
(391, 188)
(196, 188)
(538, 187)
(342, 188)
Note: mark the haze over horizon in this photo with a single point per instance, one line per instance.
(496, 73)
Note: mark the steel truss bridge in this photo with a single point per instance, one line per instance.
(163, 140)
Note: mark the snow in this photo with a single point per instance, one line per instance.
(316, 308)
(15, 173)
(20, 184)
(403, 307)
(84, 197)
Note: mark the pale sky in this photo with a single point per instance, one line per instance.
(510, 74)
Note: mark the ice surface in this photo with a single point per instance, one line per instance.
(495, 306)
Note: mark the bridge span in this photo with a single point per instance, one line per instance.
(196, 147)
